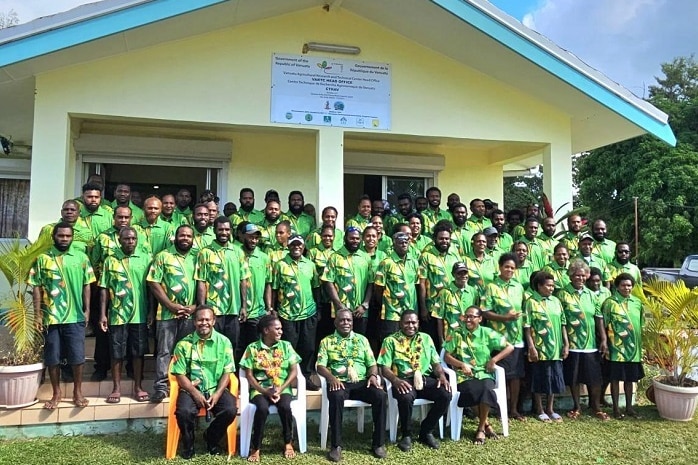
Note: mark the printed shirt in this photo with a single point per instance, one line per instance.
(107, 244)
(476, 224)
(180, 217)
(475, 348)
(200, 240)
(615, 268)
(431, 217)
(559, 273)
(358, 222)
(405, 355)
(270, 365)
(596, 262)
(605, 250)
(267, 240)
(460, 237)
(581, 311)
(623, 320)
(435, 268)
(537, 254)
(98, 221)
(385, 244)
(571, 241)
(501, 297)
(124, 277)
(222, 268)
(62, 277)
(301, 224)
(137, 213)
(399, 278)
(392, 220)
(253, 216)
(259, 265)
(204, 360)
(175, 274)
(545, 317)
(350, 273)
(83, 240)
(158, 234)
(481, 271)
(548, 243)
(505, 241)
(314, 240)
(338, 353)
(319, 256)
(294, 281)
(451, 304)
(523, 273)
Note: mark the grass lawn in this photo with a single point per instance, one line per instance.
(649, 440)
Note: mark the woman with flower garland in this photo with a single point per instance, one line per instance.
(271, 365)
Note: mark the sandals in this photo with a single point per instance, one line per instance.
(544, 418)
(574, 414)
(518, 417)
(113, 398)
(603, 416)
(489, 432)
(480, 436)
(556, 417)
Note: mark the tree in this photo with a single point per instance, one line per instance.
(661, 177)
(519, 191)
(8, 19)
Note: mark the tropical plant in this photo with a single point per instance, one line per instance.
(670, 331)
(16, 308)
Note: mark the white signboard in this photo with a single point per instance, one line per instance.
(330, 92)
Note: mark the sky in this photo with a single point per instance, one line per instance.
(627, 40)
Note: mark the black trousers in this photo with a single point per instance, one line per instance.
(224, 412)
(248, 335)
(387, 328)
(358, 391)
(440, 396)
(102, 353)
(260, 418)
(301, 335)
(229, 326)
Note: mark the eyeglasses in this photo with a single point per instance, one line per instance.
(471, 317)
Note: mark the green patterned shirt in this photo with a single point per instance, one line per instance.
(253, 216)
(399, 278)
(546, 319)
(501, 297)
(107, 244)
(204, 360)
(260, 275)
(159, 234)
(200, 240)
(604, 250)
(294, 282)
(124, 277)
(98, 221)
(435, 268)
(431, 217)
(62, 277)
(481, 271)
(523, 273)
(314, 240)
(571, 241)
(623, 321)
(476, 224)
(451, 304)
(351, 274)
(222, 268)
(301, 224)
(270, 365)
(175, 274)
(137, 213)
(475, 348)
(537, 254)
(82, 235)
(559, 274)
(615, 268)
(405, 355)
(358, 222)
(581, 312)
(338, 353)
(180, 217)
(596, 262)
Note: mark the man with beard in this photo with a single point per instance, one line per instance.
(421, 203)
(122, 198)
(123, 307)
(171, 281)
(434, 213)
(547, 238)
(70, 213)
(329, 219)
(247, 212)
(222, 279)
(363, 215)
(478, 221)
(452, 200)
(97, 217)
(203, 233)
(348, 280)
(61, 279)
(571, 237)
(259, 301)
(295, 284)
(404, 208)
(272, 217)
(157, 231)
(603, 248)
(537, 255)
(168, 206)
(505, 239)
(435, 262)
(460, 235)
(621, 264)
(182, 213)
(301, 222)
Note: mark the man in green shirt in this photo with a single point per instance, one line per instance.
(182, 213)
(604, 248)
(222, 278)
(294, 283)
(97, 217)
(157, 231)
(395, 284)
(272, 218)
(478, 221)
(301, 222)
(505, 240)
(493, 248)
(203, 233)
(482, 266)
(404, 208)
(558, 266)
(461, 235)
(168, 206)
(621, 264)
(453, 300)
(547, 238)
(586, 246)
(123, 290)
(61, 281)
(247, 212)
(409, 361)
(537, 254)
(171, 281)
(203, 364)
(348, 279)
(346, 361)
(122, 198)
(573, 233)
(82, 235)
(434, 213)
(363, 215)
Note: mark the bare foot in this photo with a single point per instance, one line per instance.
(254, 456)
(80, 401)
(289, 453)
(53, 403)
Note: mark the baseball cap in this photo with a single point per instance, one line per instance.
(586, 236)
(459, 266)
(490, 231)
(251, 228)
(296, 238)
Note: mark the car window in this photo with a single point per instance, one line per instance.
(692, 265)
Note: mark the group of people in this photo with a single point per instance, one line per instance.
(378, 305)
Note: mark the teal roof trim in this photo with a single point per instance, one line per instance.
(543, 58)
(98, 27)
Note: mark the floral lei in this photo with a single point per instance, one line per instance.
(269, 361)
(348, 350)
(413, 355)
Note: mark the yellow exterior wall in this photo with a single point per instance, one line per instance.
(224, 77)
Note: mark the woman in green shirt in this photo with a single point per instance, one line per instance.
(371, 238)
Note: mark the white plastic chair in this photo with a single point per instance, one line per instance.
(393, 414)
(247, 410)
(325, 412)
(455, 413)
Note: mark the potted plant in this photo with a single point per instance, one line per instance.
(20, 360)
(670, 340)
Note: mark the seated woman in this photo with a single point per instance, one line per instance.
(271, 365)
(470, 354)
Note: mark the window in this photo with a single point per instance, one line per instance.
(14, 207)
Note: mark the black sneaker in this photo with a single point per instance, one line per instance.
(380, 452)
(429, 440)
(405, 444)
(335, 454)
(187, 453)
(213, 449)
(158, 396)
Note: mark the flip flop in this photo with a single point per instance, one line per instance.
(113, 398)
(556, 417)
(573, 414)
(603, 416)
(544, 418)
(490, 433)
(142, 396)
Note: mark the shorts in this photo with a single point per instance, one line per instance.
(66, 339)
(513, 365)
(547, 378)
(625, 371)
(582, 368)
(129, 339)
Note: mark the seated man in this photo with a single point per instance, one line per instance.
(408, 360)
(203, 364)
(345, 359)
